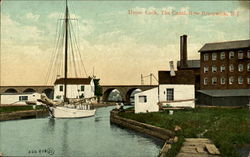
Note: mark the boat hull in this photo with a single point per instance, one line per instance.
(63, 112)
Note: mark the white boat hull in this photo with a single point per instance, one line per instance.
(64, 112)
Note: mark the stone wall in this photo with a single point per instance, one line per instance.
(23, 114)
(154, 131)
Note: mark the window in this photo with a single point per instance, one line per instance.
(222, 68)
(222, 55)
(205, 81)
(240, 67)
(231, 80)
(248, 54)
(214, 69)
(23, 98)
(248, 80)
(82, 88)
(240, 55)
(231, 55)
(222, 80)
(205, 69)
(205, 57)
(170, 94)
(231, 67)
(214, 56)
(214, 80)
(240, 80)
(142, 99)
(60, 88)
(248, 67)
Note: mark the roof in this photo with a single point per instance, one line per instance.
(181, 77)
(229, 45)
(191, 64)
(226, 93)
(73, 81)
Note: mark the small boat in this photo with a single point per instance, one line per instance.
(66, 109)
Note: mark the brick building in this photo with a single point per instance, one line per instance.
(225, 74)
(225, 65)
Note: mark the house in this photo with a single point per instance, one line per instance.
(19, 98)
(176, 88)
(76, 88)
(146, 101)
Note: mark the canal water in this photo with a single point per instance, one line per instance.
(87, 137)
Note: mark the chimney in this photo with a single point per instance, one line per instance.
(183, 51)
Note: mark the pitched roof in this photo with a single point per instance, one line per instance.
(229, 45)
(73, 81)
(226, 93)
(191, 63)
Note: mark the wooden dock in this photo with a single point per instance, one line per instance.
(198, 147)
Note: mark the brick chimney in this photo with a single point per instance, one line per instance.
(183, 51)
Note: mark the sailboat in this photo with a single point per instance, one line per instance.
(67, 109)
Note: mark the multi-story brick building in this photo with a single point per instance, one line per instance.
(225, 73)
(225, 65)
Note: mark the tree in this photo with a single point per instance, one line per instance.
(98, 89)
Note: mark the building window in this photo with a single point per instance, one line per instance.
(222, 55)
(248, 54)
(143, 99)
(231, 80)
(240, 80)
(23, 98)
(222, 68)
(82, 88)
(240, 55)
(248, 80)
(206, 69)
(248, 67)
(214, 80)
(214, 69)
(214, 56)
(170, 94)
(206, 57)
(61, 88)
(240, 67)
(205, 81)
(231, 67)
(231, 55)
(222, 80)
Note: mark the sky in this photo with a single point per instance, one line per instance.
(118, 44)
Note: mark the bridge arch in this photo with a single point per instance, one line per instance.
(29, 90)
(49, 93)
(108, 92)
(10, 90)
(130, 93)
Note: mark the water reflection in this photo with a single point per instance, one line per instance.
(93, 136)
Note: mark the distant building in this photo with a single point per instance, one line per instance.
(76, 88)
(225, 73)
(19, 98)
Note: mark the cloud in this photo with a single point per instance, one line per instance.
(32, 17)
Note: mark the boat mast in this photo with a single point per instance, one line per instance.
(66, 52)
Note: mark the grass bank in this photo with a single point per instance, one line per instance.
(227, 128)
(8, 109)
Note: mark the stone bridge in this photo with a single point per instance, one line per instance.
(48, 90)
(125, 91)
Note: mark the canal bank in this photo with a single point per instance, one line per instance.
(23, 114)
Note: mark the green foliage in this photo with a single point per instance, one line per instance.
(227, 128)
(98, 88)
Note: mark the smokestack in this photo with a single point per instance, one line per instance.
(183, 51)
